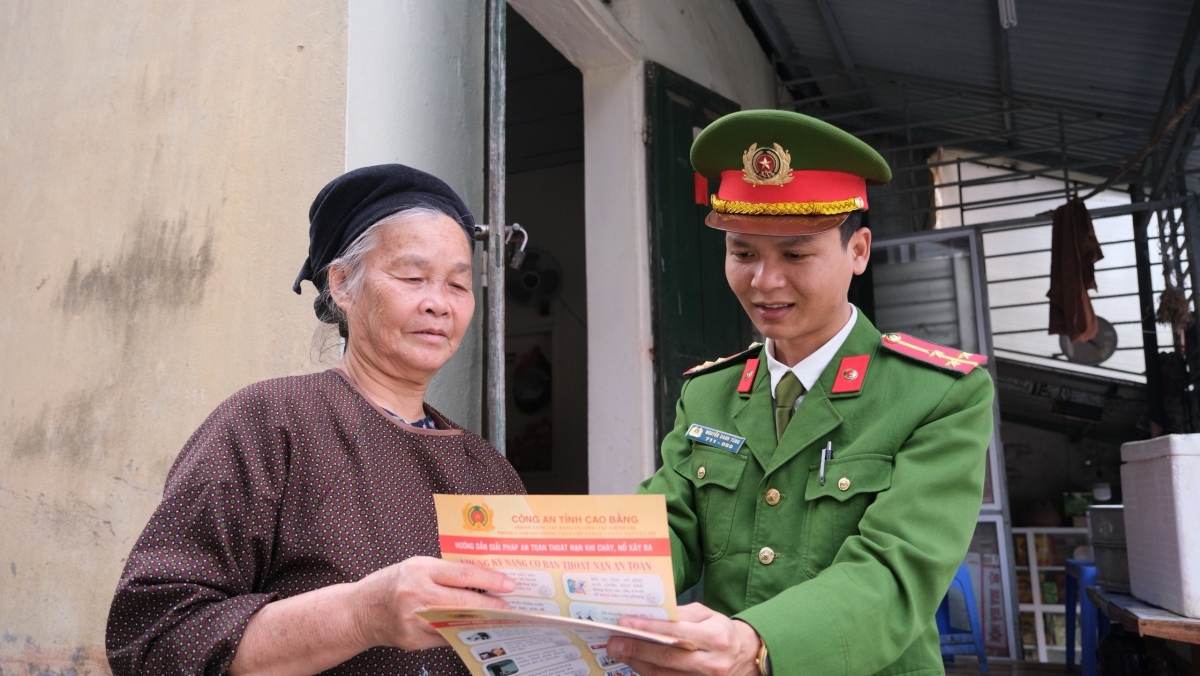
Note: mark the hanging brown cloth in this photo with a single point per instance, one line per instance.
(1074, 252)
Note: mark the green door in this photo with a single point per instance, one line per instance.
(696, 316)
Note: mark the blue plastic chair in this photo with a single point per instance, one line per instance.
(1081, 574)
(959, 641)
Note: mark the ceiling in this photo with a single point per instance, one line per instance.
(950, 69)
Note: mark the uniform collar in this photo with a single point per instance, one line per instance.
(809, 369)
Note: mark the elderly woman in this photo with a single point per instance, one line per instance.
(297, 531)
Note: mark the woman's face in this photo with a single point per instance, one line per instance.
(416, 299)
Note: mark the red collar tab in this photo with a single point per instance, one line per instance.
(747, 380)
(945, 358)
(850, 374)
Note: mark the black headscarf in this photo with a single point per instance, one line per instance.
(358, 199)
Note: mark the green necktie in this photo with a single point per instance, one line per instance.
(787, 392)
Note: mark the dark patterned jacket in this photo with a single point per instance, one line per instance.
(290, 485)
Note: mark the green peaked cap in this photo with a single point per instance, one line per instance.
(813, 144)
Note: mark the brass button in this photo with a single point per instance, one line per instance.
(850, 374)
(843, 484)
(700, 473)
(766, 555)
(892, 338)
(772, 497)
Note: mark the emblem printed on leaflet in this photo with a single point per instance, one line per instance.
(715, 438)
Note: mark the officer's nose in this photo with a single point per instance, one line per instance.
(768, 277)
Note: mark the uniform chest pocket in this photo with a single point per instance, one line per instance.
(833, 511)
(715, 475)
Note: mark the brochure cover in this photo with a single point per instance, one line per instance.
(581, 562)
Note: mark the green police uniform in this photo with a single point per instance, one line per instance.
(841, 573)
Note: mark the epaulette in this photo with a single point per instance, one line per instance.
(710, 366)
(945, 358)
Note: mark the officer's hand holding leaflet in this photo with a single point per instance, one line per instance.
(826, 483)
(724, 646)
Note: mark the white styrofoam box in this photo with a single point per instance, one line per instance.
(1161, 484)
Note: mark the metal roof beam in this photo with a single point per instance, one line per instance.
(877, 109)
(1011, 153)
(1169, 166)
(839, 45)
(978, 137)
(1004, 74)
(1180, 142)
(1044, 172)
(810, 80)
(931, 123)
(800, 103)
(1178, 115)
(1174, 91)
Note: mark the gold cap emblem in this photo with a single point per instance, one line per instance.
(766, 166)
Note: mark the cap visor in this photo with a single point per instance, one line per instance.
(784, 226)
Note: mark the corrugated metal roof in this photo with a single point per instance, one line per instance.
(1102, 64)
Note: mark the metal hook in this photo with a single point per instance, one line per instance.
(519, 255)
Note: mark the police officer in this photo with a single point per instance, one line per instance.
(826, 483)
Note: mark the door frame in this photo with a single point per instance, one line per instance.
(621, 414)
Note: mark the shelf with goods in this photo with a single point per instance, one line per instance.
(1041, 588)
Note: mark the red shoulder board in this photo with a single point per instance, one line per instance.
(946, 358)
(850, 374)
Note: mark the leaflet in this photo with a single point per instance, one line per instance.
(581, 562)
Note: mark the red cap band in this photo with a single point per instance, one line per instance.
(808, 185)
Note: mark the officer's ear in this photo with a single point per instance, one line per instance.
(859, 248)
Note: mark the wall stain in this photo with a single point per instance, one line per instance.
(81, 662)
(73, 431)
(159, 265)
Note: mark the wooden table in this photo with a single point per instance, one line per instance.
(1150, 622)
(1144, 619)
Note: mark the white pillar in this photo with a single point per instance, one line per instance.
(415, 95)
(621, 448)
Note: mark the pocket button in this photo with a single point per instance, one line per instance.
(701, 472)
(843, 484)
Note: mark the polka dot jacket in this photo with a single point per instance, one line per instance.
(290, 485)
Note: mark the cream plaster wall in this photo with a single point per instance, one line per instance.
(157, 160)
(415, 96)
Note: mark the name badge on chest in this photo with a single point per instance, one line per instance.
(715, 438)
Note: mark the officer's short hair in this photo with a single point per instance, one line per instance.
(848, 227)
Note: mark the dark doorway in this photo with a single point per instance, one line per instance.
(546, 300)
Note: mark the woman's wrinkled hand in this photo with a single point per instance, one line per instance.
(388, 598)
(724, 646)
